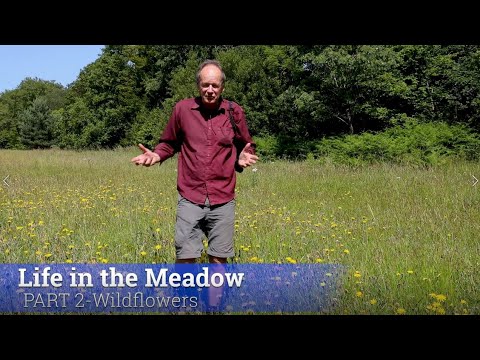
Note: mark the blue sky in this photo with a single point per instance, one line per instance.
(59, 63)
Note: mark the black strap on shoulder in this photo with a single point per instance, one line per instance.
(236, 142)
(230, 116)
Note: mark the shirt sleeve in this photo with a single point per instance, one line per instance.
(171, 138)
(242, 136)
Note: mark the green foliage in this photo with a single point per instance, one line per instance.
(147, 128)
(254, 80)
(16, 104)
(8, 130)
(267, 147)
(35, 125)
(31, 88)
(70, 124)
(411, 143)
(183, 84)
(110, 88)
(299, 116)
(354, 86)
(295, 94)
(444, 82)
(158, 63)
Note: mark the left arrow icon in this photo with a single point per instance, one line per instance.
(5, 180)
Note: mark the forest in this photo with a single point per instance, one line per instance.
(349, 103)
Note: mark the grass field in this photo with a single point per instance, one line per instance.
(408, 237)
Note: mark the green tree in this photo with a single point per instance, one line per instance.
(35, 125)
(13, 104)
(110, 90)
(444, 82)
(360, 86)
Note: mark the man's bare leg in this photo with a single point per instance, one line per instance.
(215, 293)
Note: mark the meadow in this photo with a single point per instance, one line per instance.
(407, 236)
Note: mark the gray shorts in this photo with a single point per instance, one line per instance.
(194, 221)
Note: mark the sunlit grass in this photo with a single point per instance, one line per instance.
(407, 236)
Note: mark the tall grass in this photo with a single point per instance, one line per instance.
(408, 237)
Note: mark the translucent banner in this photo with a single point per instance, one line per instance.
(168, 288)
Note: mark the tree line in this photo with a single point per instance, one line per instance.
(299, 99)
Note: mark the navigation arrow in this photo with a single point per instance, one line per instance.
(6, 177)
(476, 180)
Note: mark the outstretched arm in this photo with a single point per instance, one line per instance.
(246, 158)
(148, 158)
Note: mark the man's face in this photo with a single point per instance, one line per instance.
(210, 86)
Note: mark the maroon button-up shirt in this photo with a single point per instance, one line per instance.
(207, 150)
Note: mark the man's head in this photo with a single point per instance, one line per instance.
(210, 82)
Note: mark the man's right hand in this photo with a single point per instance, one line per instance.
(148, 158)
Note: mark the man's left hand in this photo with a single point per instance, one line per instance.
(246, 159)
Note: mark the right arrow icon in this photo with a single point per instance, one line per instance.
(476, 180)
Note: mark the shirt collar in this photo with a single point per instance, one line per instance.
(221, 109)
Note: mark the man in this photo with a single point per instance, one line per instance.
(211, 148)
